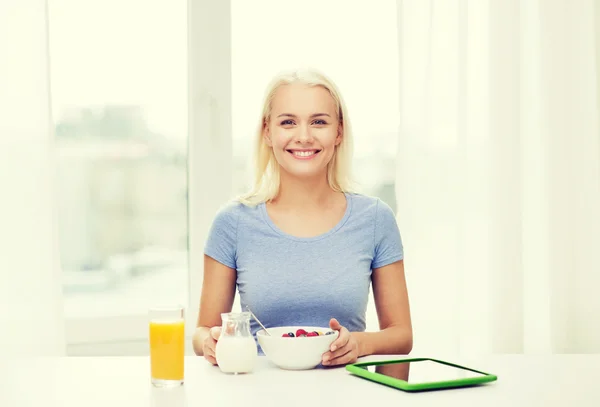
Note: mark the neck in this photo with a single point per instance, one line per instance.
(303, 193)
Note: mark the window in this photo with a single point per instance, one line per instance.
(119, 101)
(355, 45)
(133, 166)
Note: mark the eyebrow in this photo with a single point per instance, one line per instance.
(311, 116)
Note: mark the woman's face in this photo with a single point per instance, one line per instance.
(303, 129)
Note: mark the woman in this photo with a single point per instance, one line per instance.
(301, 247)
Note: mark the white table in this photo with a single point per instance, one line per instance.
(559, 380)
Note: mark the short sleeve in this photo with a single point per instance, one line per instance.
(388, 243)
(221, 243)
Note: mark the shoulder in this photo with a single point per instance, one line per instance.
(228, 212)
(232, 211)
(377, 216)
(221, 243)
(370, 207)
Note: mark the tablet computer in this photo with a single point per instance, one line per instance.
(418, 374)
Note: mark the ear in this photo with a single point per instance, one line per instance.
(267, 134)
(340, 134)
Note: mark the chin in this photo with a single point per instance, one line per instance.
(305, 172)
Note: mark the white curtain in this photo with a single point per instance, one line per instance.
(30, 298)
(498, 174)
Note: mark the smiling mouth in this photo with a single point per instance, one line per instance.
(304, 153)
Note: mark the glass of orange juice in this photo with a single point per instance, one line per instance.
(167, 346)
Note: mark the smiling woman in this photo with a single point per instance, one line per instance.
(301, 246)
(305, 136)
(304, 117)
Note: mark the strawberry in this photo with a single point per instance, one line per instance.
(301, 332)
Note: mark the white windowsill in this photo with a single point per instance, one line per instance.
(123, 328)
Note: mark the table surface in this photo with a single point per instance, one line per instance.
(523, 380)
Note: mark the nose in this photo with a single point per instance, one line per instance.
(304, 135)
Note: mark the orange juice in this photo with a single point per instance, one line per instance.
(167, 347)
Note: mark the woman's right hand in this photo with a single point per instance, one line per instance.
(210, 344)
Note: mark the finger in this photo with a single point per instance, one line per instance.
(342, 350)
(215, 332)
(332, 357)
(209, 347)
(341, 341)
(334, 324)
(211, 359)
(348, 357)
(209, 350)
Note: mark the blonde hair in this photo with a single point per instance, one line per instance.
(267, 171)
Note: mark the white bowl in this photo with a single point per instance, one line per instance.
(295, 353)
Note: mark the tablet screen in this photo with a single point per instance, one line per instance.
(424, 371)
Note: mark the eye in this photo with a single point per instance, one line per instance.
(320, 122)
(287, 122)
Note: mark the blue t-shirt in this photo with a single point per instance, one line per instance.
(288, 280)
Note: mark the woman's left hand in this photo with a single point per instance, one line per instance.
(343, 350)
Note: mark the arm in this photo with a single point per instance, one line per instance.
(389, 291)
(393, 310)
(391, 300)
(218, 292)
(395, 335)
(399, 371)
(218, 285)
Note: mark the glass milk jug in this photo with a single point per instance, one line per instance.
(236, 350)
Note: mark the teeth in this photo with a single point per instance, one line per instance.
(303, 153)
